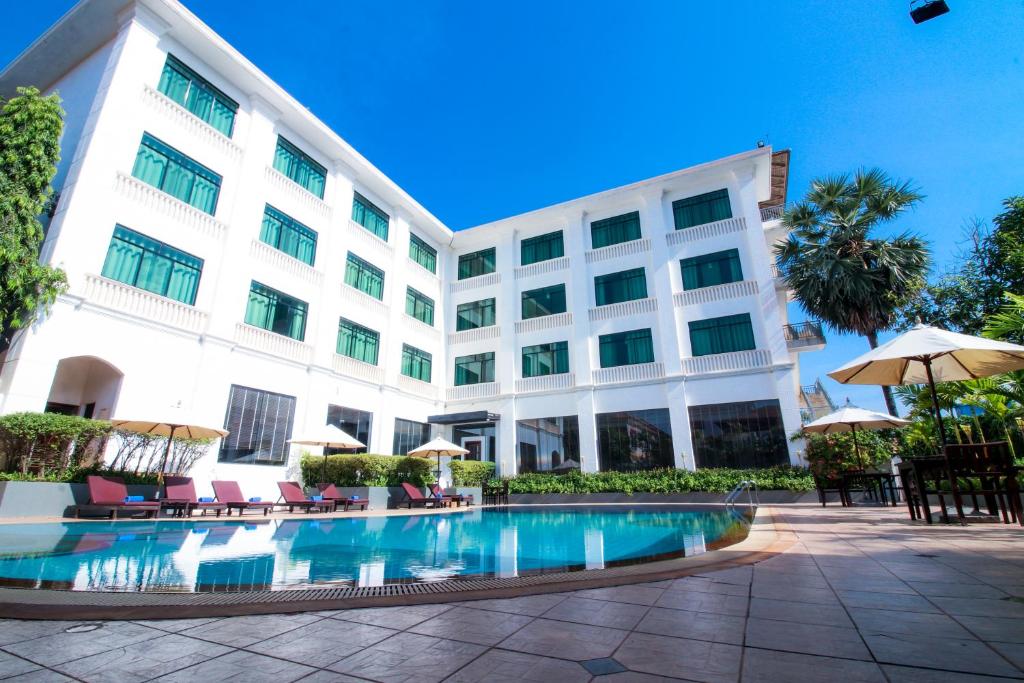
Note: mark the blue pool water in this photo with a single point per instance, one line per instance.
(256, 554)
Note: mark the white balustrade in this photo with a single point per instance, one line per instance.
(475, 282)
(363, 300)
(618, 250)
(343, 365)
(471, 392)
(418, 387)
(282, 182)
(544, 322)
(624, 309)
(138, 302)
(476, 334)
(772, 213)
(272, 343)
(367, 239)
(418, 327)
(190, 122)
(565, 380)
(727, 362)
(262, 251)
(161, 202)
(628, 373)
(700, 232)
(550, 266)
(705, 295)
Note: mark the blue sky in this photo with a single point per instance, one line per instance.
(484, 110)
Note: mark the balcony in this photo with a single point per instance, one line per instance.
(700, 232)
(476, 334)
(364, 300)
(343, 365)
(474, 282)
(623, 309)
(274, 344)
(705, 295)
(549, 266)
(161, 202)
(278, 259)
(727, 362)
(190, 122)
(473, 392)
(618, 250)
(628, 373)
(298, 193)
(544, 322)
(772, 213)
(806, 336)
(371, 243)
(418, 387)
(138, 302)
(565, 380)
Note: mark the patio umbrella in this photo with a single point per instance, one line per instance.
(438, 447)
(329, 436)
(925, 355)
(171, 430)
(851, 419)
(567, 465)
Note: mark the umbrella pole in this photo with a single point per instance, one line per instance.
(323, 469)
(856, 447)
(167, 455)
(935, 401)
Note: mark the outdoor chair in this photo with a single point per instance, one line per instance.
(987, 470)
(182, 490)
(456, 498)
(331, 492)
(230, 494)
(825, 486)
(110, 495)
(295, 497)
(414, 497)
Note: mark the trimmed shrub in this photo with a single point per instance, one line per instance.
(471, 472)
(77, 476)
(366, 469)
(49, 443)
(712, 480)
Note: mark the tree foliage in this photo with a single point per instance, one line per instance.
(30, 128)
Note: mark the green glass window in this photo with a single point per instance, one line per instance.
(541, 248)
(419, 306)
(143, 262)
(721, 335)
(477, 263)
(422, 253)
(277, 312)
(546, 359)
(364, 276)
(615, 230)
(708, 270)
(370, 216)
(416, 363)
(283, 232)
(614, 288)
(170, 171)
(475, 369)
(544, 301)
(704, 208)
(356, 341)
(474, 314)
(300, 167)
(190, 90)
(626, 348)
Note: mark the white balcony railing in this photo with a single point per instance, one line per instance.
(550, 266)
(705, 295)
(476, 334)
(366, 238)
(772, 213)
(624, 309)
(628, 373)
(472, 392)
(700, 232)
(278, 259)
(565, 380)
(618, 250)
(209, 135)
(544, 322)
(343, 365)
(418, 327)
(120, 297)
(363, 300)
(161, 202)
(273, 344)
(727, 362)
(475, 282)
(417, 387)
(297, 192)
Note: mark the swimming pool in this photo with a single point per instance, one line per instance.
(254, 554)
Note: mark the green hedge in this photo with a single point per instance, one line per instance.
(471, 472)
(663, 481)
(368, 470)
(77, 476)
(48, 443)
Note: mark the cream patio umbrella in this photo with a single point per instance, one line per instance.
(851, 419)
(171, 430)
(439, 447)
(329, 436)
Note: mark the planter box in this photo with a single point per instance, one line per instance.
(48, 499)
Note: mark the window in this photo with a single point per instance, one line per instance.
(277, 312)
(709, 270)
(187, 88)
(479, 439)
(474, 314)
(544, 301)
(541, 248)
(548, 444)
(143, 262)
(704, 208)
(370, 216)
(286, 234)
(721, 335)
(615, 230)
(626, 348)
(615, 288)
(259, 424)
(635, 440)
(477, 263)
(546, 359)
(422, 253)
(419, 306)
(747, 434)
(356, 341)
(416, 363)
(170, 171)
(475, 369)
(300, 167)
(364, 276)
(354, 422)
(409, 435)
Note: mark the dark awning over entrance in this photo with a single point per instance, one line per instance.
(459, 418)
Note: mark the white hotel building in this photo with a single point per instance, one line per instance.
(232, 261)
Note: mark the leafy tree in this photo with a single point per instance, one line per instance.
(30, 128)
(1005, 254)
(840, 271)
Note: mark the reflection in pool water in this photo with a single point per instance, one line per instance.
(195, 555)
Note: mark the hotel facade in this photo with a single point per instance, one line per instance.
(233, 262)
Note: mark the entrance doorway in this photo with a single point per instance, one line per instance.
(86, 386)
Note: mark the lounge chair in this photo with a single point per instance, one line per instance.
(414, 497)
(110, 495)
(230, 494)
(295, 497)
(331, 492)
(456, 498)
(181, 491)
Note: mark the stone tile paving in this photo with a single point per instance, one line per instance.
(861, 596)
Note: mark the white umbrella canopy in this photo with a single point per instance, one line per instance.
(852, 419)
(171, 430)
(329, 436)
(439, 447)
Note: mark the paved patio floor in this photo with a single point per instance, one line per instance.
(863, 595)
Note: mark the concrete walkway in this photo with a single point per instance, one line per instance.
(863, 595)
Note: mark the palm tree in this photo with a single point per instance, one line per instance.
(841, 273)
